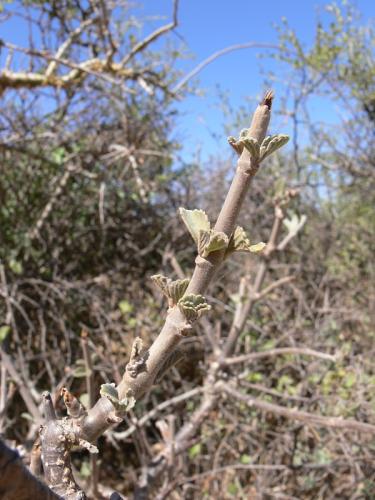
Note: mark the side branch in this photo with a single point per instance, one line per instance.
(293, 414)
(303, 351)
(153, 36)
(216, 55)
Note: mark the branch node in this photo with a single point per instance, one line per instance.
(121, 406)
(137, 361)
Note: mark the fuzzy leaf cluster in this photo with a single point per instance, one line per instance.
(110, 392)
(207, 240)
(211, 241)
(239, 242)
(173, 290)
(294, 223)
(193, 306)
(258, 152)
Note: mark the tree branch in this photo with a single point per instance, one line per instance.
(176, 325)
(216, 55)
(153, 36)
(22, 387)
(303, 351)
(293, 414)
(16, 482)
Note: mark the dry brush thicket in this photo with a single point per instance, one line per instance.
(126, 369)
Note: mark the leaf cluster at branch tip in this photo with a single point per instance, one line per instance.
(258, 152)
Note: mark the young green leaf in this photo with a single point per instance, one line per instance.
(110, 392)
(258, 247)
(271, 144)
(195, 221)
(295, 223)
(211, 241)
(161, 282)
(173, 290)
(176, 289)
(195, 450)
(239, 242)
(4, 330)
(193, 306)
(252, 146)
(236, 145)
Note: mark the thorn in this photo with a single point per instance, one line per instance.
(267, 99)
(49, 410)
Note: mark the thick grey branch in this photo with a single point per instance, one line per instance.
(16, 482)
(176, 325)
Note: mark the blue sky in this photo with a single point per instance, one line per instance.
(207, 26)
